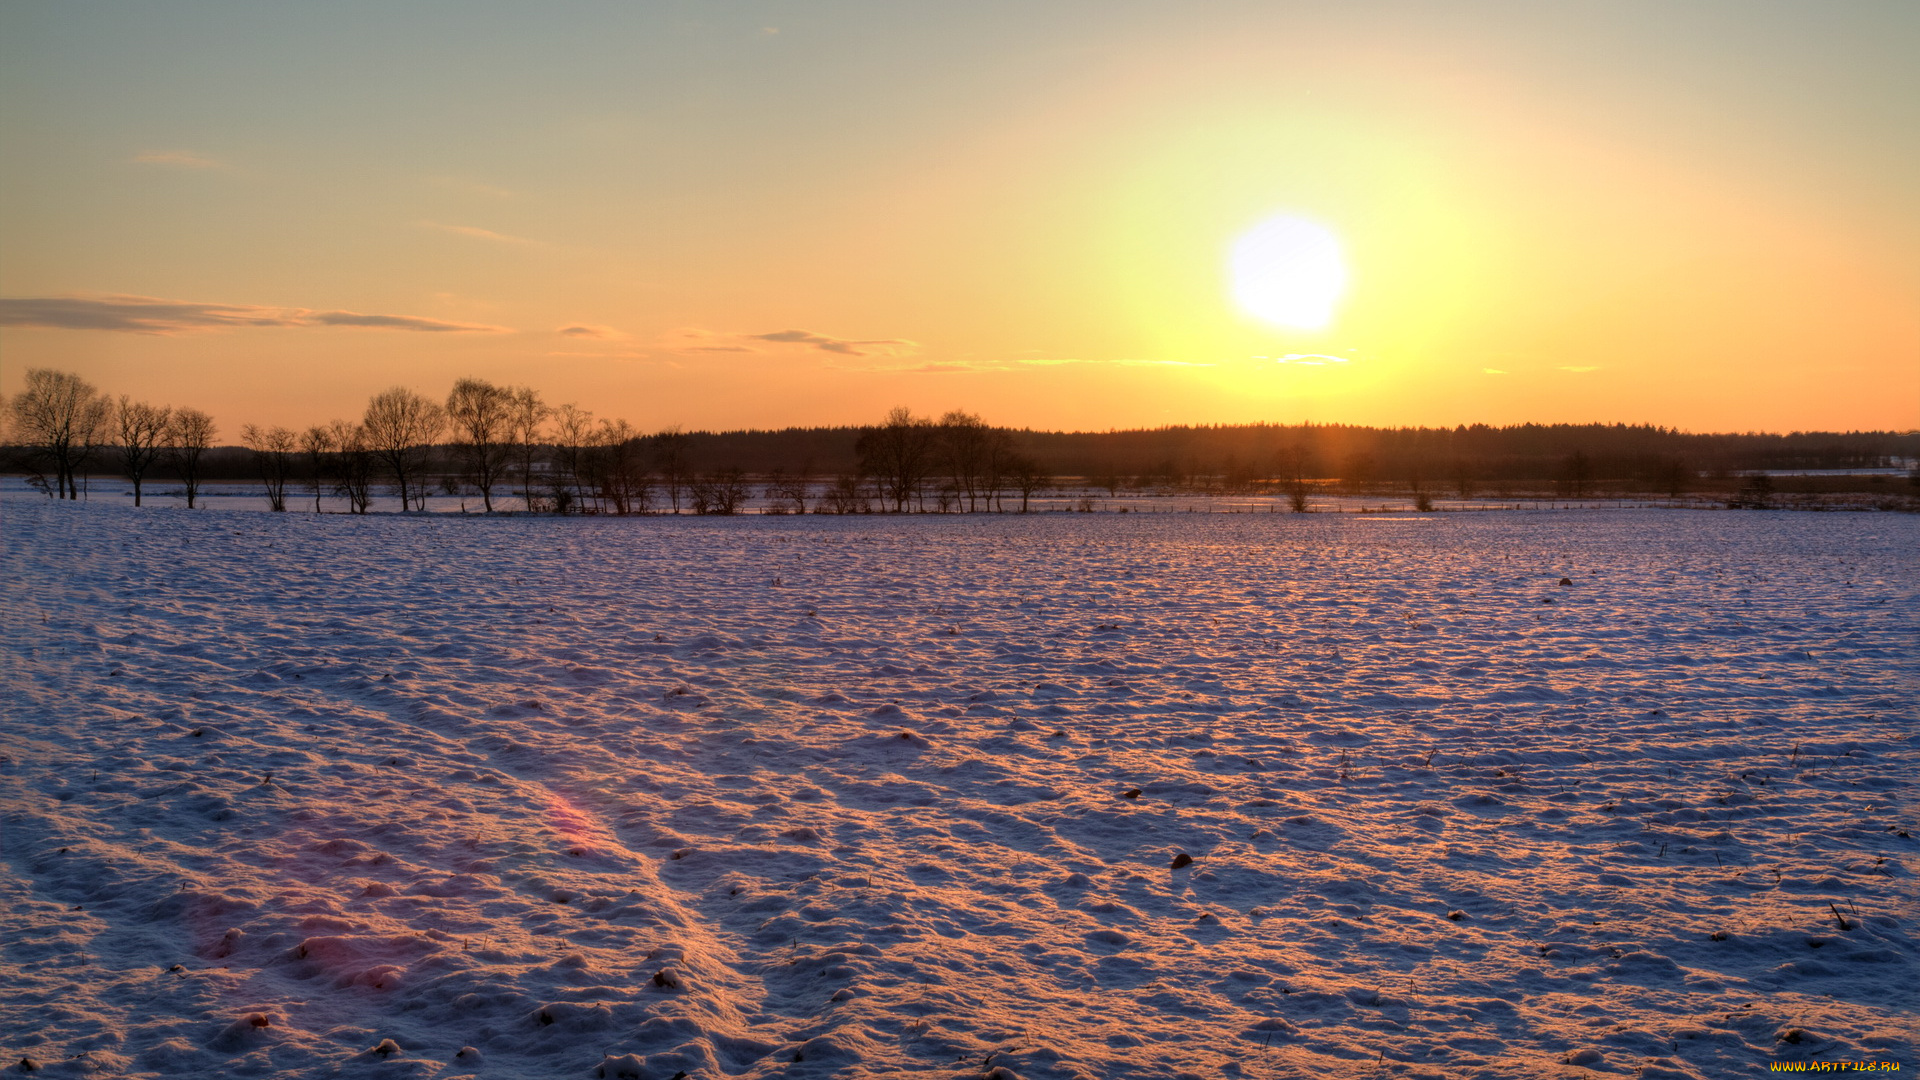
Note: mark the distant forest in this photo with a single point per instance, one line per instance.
(1234, 455)
(501, 443)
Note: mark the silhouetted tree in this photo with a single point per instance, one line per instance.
(189, 437)
(316, 445)
(140, 433)
(618, 467)
(354, 464)
(996, 454)
(400, 428)
(848, 495)
(527, 415)
(721, 492)
(273, 450)
(772, 493)
(64, 418)
(670, 458)
(899, 455)
(799, 488)
(964, 447)
(572, 432)
(482, 418)
(787, 493)
(1417, 487)
(1027, 478)
(1292, 464)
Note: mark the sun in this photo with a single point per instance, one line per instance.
(1289, 271)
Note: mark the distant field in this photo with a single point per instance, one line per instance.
(1497, 794)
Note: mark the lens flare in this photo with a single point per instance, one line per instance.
(1289, 271)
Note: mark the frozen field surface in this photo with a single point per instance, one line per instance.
(287, 795)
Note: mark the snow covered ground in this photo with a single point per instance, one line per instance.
(297, 795)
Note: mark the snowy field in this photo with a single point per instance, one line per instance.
(297, 795)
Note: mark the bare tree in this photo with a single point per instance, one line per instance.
(898, 454)
(354, 462)
(787, 493)
(775, 493)
(997, 455)
(141, 434)
(63, 417)
(848, 495)
(964, 447)
(722, 492)
(273, 450)
(318, 446)
(670, 456)
(526, 416)
(1027, 478)
(189, 437)
(1417, 488)
(1293, 465)
(618, 467)
(400, 429)
(481, 415)
(572, 433)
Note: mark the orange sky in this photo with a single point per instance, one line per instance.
(771, 214)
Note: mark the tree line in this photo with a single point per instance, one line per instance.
(504, 447)
(507, 448)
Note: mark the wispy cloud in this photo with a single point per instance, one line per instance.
(590, 332)
(385, 322)
(697, 340)
(843, 346)
(1308, 358)
(1492, 371)
(692, 339)
(477, 233)
(150, 315)
(625, 355)
(179, 159)
(957, 366)
(1581, 369)
(1122, 362)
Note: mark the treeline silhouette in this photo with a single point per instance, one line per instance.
(504, 447)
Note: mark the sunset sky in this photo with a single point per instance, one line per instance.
(741, 214)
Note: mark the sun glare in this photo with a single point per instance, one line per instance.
(1289, 271)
